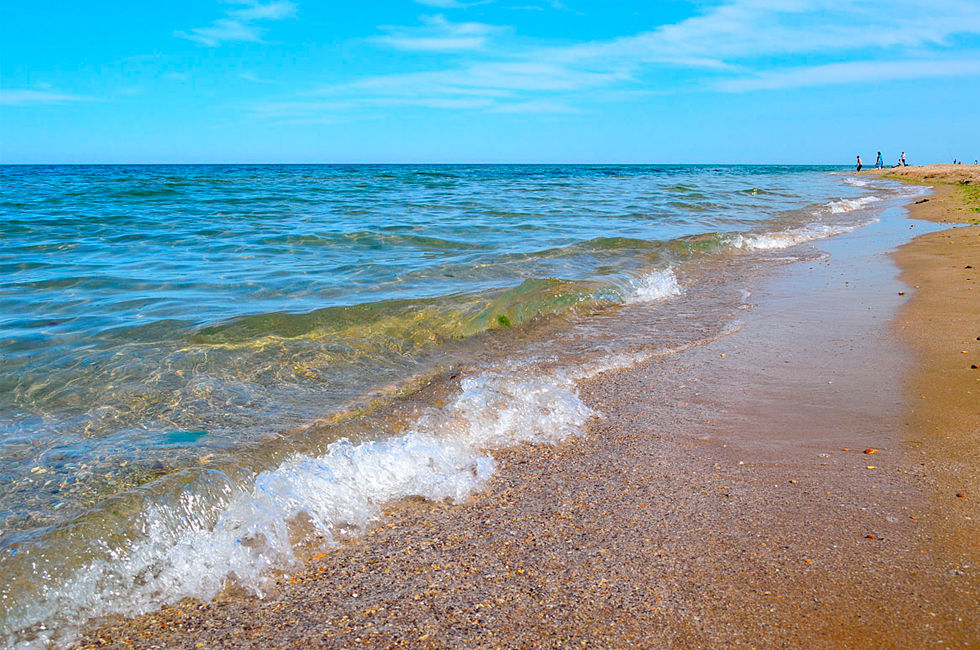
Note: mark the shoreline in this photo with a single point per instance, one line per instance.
(711, 505)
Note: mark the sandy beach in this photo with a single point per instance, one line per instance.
(807, 481)
(942, 325)
(474, 324)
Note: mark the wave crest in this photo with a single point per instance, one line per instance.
(208, 534)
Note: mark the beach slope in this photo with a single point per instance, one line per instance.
(793, 484)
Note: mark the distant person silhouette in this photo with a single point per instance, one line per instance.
(901, 161)
(879, 163)
(859, 163)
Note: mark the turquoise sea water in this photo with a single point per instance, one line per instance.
(169, 334)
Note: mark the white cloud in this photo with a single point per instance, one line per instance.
(311, 109)
(535, 106)
(221, 31)
(737, 46)
(13, 97)
(852, 72)
(730, 40)
(435, 44)
(270, 11)
(436, 34)
(442, 4)
(502, 87)
(743, 30)
(254, 78)
(238, 25)
(489, 79)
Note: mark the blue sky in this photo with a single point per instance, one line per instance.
(778, 81)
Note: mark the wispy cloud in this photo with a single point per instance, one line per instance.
(490, 79)
(536, 106)
(254, 78)
(737, 46)
(240, 24)
(749, 30)
(255, 10)
(436, 34)
(852, 72)
(304, 110)
(506, 87)
(443, 4)
(14, 97)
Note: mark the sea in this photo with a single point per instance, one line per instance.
(209, 372)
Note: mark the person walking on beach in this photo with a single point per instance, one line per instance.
(879, 163)
(901, 161)
(859, 163)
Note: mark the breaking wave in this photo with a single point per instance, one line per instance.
(205, 533)
(791, 237)
(847, 205)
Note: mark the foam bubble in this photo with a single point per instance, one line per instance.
(193, 546)
(654, 286)
(848, 205)
(792, 237)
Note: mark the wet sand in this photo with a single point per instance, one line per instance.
(783, 486)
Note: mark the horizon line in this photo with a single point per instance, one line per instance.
(257, 164)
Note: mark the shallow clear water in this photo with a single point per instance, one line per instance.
(169, 333)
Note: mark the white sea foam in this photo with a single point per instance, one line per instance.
(213, 533)
(182, 553)
(792, 237)
(847, 205)
(194, 547)
(654, 286)
(856, 182)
